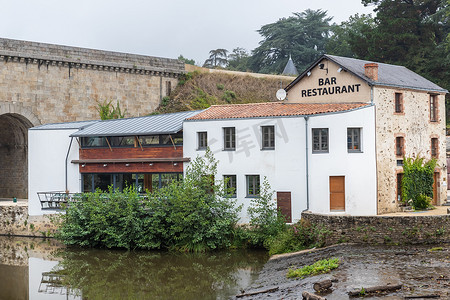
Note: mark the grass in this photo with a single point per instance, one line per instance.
(319, 267)
(435, 249)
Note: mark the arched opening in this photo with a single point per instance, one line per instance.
(14, 155)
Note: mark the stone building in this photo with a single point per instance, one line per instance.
(409, 115)
(43, 83)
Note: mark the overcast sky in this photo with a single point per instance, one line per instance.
(165, 28)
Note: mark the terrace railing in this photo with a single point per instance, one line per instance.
(57, 200)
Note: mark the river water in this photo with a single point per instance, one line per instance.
(44, 269)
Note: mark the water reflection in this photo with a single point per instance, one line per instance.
(34, 269)
(103, 274)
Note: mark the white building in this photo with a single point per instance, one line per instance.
(306, 151)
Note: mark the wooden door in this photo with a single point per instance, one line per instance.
(337, 193)
(435, 188)
(284, 205)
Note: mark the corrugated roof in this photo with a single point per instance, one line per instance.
(67, 125)
(156, 124)
(273, 109)
(388, 75)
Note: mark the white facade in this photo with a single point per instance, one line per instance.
(285, 166)
(47, 151)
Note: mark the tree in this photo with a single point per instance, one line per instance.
(217, 58)
(186, 60)
(349, 33)
(303, 36)
(238, 60)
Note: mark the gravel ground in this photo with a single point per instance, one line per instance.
(420, 271)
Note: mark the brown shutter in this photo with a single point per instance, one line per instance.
(337, 192)
(284, 204)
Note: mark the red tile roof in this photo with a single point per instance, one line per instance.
(272, 109)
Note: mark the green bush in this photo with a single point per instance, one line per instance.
(202, 99)
(266, 221)
(190, 215)
(298, 237)
(220, 86)
(229, 96)
(165, 100)
(417, 182)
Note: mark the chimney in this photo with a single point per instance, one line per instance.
(371, 71)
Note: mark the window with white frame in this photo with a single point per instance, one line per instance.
(253, 185)
(320, 140)
(268, 137)
(354, 139)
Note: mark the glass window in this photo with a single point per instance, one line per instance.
(88, 183)
(229, 134)
(354, 139)
(253, 185)
(230, 181)
(202, 138)
(268, 137)
(434, 147)
(103, 181)
(399, 146)
(320, 140)
(122, 141)
(94, 141)
(433, 108)
(149, 140)
(398, 102)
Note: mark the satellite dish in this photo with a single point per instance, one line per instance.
(281, 94)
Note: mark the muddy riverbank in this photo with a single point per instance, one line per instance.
(422, 272)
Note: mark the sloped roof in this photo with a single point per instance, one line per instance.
(388, 75)
(290, 68)
(272, 109)
(149, 125)
(67, 125)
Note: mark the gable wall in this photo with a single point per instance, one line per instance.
(310, 88)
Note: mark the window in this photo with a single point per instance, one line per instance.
(320, 140)
(229, 136)
(268, 137)
(230, 181)
(252, 185)
(168, 88)
(399, 186)
(398, 102)
(122, 141)
(354, 139)
(433, 108)
(434, 147)
(399, 146)
(202, 138)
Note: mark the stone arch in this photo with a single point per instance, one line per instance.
(15, 119)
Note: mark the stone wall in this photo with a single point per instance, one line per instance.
(383, 229)
(14, 221)
(60, 83)
(416, 129)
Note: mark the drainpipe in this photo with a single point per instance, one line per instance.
(67, 157)
(307, 163)
(371, 94)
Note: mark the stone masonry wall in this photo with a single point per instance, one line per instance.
(60, 83)
(14, 221)
(383, 229)
(415, 127)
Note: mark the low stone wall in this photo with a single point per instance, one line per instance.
(383, 229)
(15, 221)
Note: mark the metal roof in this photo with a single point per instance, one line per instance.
(290, 68)
(67, 125)
(149, 125)
(388, 75)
